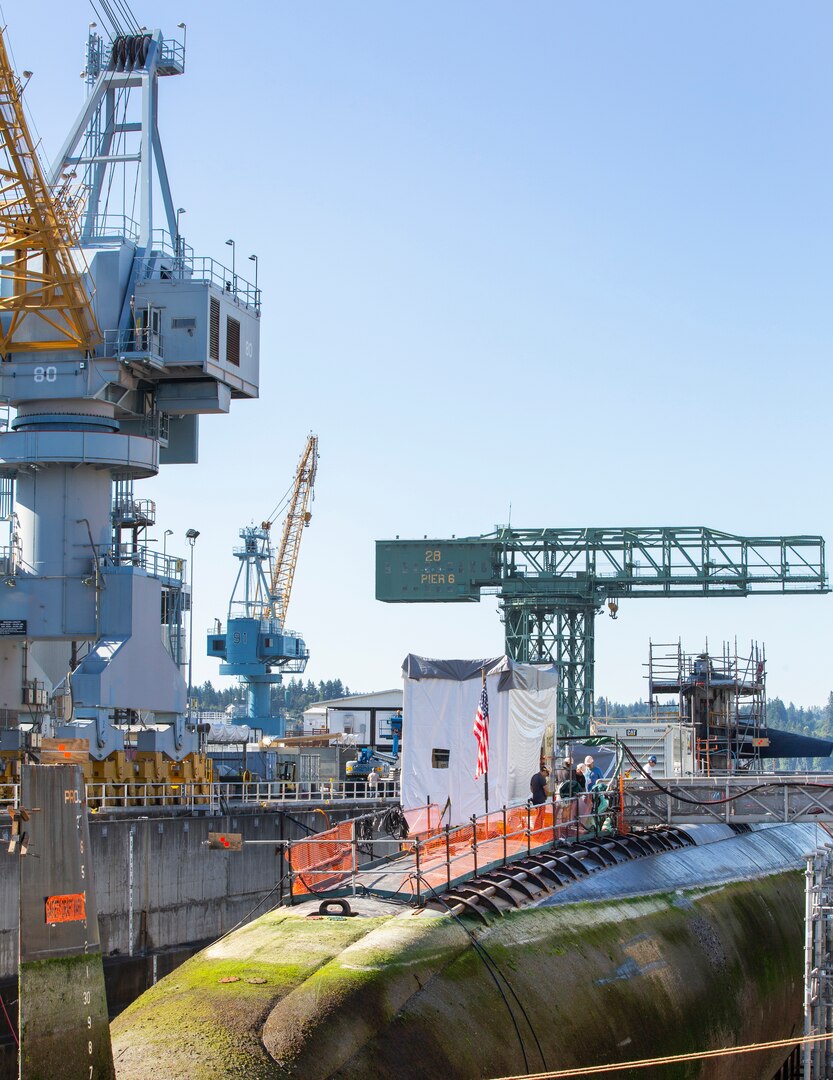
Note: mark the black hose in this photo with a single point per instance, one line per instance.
(716, 802)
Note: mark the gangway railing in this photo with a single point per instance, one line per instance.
(432, 861)
(739, 800)
(210, 271)
(440, 857)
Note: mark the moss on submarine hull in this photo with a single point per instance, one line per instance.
(408, 996)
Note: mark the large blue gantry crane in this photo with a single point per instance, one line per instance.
(114, 339)
(551, 583)
(255, 645)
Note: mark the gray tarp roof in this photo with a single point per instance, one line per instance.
(513, 675)
(232, 734)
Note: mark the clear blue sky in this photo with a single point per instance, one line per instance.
(569, 257)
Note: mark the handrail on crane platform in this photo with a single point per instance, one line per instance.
(265, 626)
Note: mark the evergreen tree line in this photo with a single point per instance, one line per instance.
(804, 720)
(291, 698)
(288, 698)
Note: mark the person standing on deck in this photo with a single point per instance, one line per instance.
(569, 784)
(585, 799)
(592, 772)
(568, 790)
(562, 773)
(538, 786)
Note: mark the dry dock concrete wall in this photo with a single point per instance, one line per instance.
(159, 886)
(161, 895)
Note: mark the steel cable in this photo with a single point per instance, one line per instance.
(670, 1059)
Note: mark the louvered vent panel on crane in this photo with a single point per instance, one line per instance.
(214, 329)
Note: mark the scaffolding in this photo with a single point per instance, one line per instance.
(721, 699)
(818, 965)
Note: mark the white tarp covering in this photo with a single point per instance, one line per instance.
(529, 714)
(439, 750)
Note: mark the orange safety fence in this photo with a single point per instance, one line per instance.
(499, 837)
(511, 821)
(435, 855)
(423, 819)
(328, 856)
(449, 854)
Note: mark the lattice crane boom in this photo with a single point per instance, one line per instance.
(552, 582)
(297, 517)
(45, 299)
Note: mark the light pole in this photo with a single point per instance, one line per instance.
(178, 238)
(253, 258)
(166, 534)
(191, 537)
(233, 247)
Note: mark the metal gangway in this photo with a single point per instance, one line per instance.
(732, 800)
(434, 856)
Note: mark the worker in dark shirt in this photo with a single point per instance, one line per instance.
(538, 786)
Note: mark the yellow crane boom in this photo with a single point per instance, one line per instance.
(298, 515)
(44, 297)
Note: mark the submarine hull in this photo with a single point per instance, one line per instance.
(574, 981)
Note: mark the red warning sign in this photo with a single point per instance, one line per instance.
(69, 908)
(229, 841)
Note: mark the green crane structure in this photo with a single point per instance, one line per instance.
(551, 583)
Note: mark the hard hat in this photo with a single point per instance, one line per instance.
(588, 760)
(652, 760)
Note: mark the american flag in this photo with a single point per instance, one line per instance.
(481, 733)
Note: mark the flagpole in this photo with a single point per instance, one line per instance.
(486, 771)
(481, 735)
